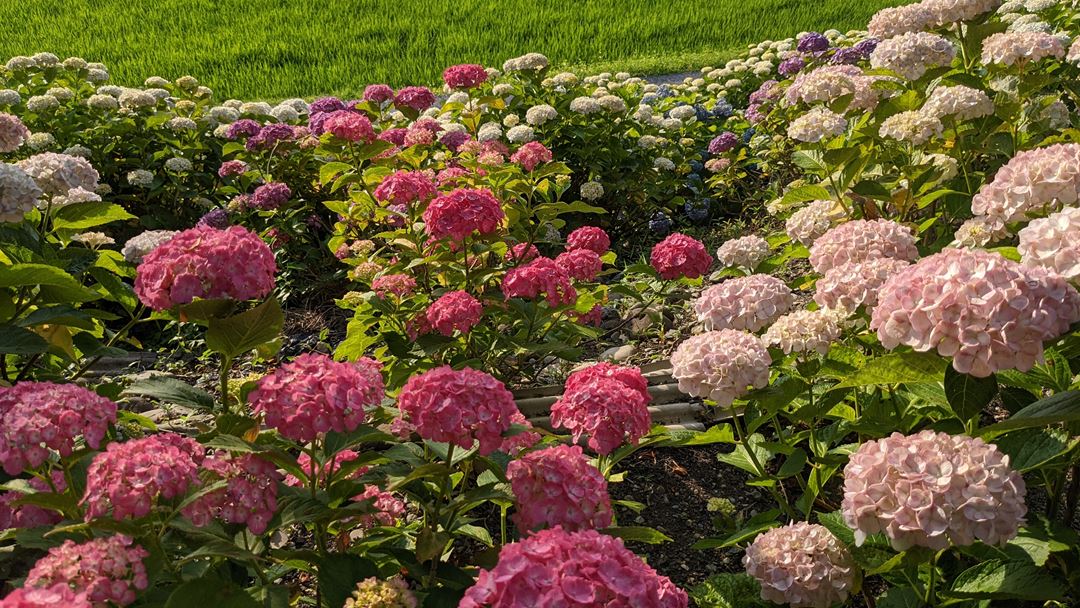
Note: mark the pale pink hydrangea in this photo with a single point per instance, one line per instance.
(862, 240)
(557, 486)
(13, 133)
(1009, 48)
(580, 264)
(978, 232)
(910, 55)
(56, 174)
(1053, 242)
(57, 596)
(129, 477)
(679, 256)
(1033, 182)
(249, 497)
(604, 407)
(592, 238)
(817, 124)
(802, 565)
(583, 569)
(106, 570)
(399, 285)
(829, 83)
(914, 127)
(721, 365)
(932, 490)
(18, 193)
(805, 331)
(313, 394)
(36, 417)
(958, 102)
(454, 311)
(848, 286)
(806, 225)
(946, 12)
(542, 276)
(27, 515)
(747, 252)
(208, 263)
(462, 212)
(895, 21)
(406, 187)
(986, 312)
(1073, 55)
(461, 407)
(747, 303)
(375, 593)
(324, 474)
(531, 155)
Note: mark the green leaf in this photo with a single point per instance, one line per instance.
(639, 534)
(967, 394)
(210, 591)
(802, 194)
(236, 335)
(728, 591)
(749, 530)
(900, 597)
(64, 286)
(338, 575)
(171, 390)
(21, 341)
(1062, 407)
(1029, 449)
(329, 171)
(81, 216)
(999, 579)
(897, 368)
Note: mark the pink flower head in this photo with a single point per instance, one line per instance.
(932, 489)
(129, 477)
(527, 438)
(557, 486)
(454, 140)
(583, 569)
(464, 76)
(747, 252)
(405, 187)
(350, 126)
(416, 98)
(458, 407)
(542, 276)
(531, 155)
(249, 497)
(721, 365)
(1034, 181)
(388, 508)
(204, 262)
(748, 303)
(986, 312)
(378, 93)
(56, 596)
(593, 318)
(628, 375)
(314, 394)
(270, 136)
(452, 176)
(680, 256)
(1010, 48)
(460, 213)
(419, 137)
(608, 411)
(854, 284)
(394, 136)
(455, 310)
(324, 474)
(592, 238)
(522, 253)
(232, 167)
(580, 264)
(399, 285)
(103, 569)
(270, 196)
(12, 132)
(862, 240)
(36, 417)
(31, 516)
(802, 565)
(1053, 242)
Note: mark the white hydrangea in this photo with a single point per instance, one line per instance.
(40, 141)
(93, 240)
(19, 62)
(45, 60)
(178, 164)
(520, 134)
(134, 98)
(813, 220)
(528, 62)
(181, 123)
(612, 103)
(502, 89)
(256, 108)
(159, 94)
(489, 131)
(458, 97)
(62, 94)
(18, 193)
(285, 113)
(10, 97)
(188, 83)
(75, 63)
(139, 246)
(591, 191)
(140, 178)
(961, 102)
(816, 125)
(683, 112)
(156, 82)
(511, 120)
(805, 331)
(78, 150)
(224, 114)
(911, 55)
(646, 142)
(913, 127)
(663, 164)
(585, 105)
(110, 89)
(96, 75)
(55, 173)
(73, 196)
(42, 103)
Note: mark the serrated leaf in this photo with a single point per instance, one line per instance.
(1000, 579)
(1029, 449)
(171, 390)
(968, 395)
(1062, 407)
(236, 335)
(81, 216)
(897, 368)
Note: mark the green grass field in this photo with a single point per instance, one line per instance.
(274, 49)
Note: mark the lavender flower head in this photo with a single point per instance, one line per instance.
(245, 127)
(270, 196)
(269, 136)
(791, 66)
(326, 104)
(216, 218)
(724, 142)
(813, 42)
(847, 56)
(866, 47)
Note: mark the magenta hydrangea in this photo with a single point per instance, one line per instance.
(461, 407)
(406, 187)
(540, 277)
(129, 477)
(104, 569)
(464, 76)
(985, 312)
(415, 98)
(557, 486)
(462, 212)
(862, 240)
(610, 412)
(313, 394)
(580, 264)
(721, 365)
(378, 93)
(350, 126)
(932, 490)
(232, 168)
(628, 375)
(748, 303)
(204, 262)
(592, 238)
(583, 569)
(531, 155)
(36, 417)
(59, 595)
(388, 509)
(28, 515)
(679, 256)
(522, 253)
(249, 497)
(454, 311)
(268, 197)
(854, 284)
(802, 565)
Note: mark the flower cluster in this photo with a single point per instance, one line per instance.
(986, 312)
(129, 477)
(349, 126)
(249, 497)
(829, 83)
(965, 489)
(415, 98)
(1053, 242)
(460, 213)
(542, 276)
(531, 155)
(862, 240)
(817, 124)
(747, 252)
(557, 486)
(102, 570)
(910, 55)
(804, 331)
(399, 285)
(721, 365)
(1009, 48)
(13, 133)
(848, 286)
(679, 256)
(27, 515)
(406, 187)
(589, 237)
(375, 593)
(136, 248)
(454, 311)
(268, 197)
(959, 102)
(607, 403)
(388, 509)
(747, 303)
(895, 21)
(57, 596)
(914, 127)
(1033, 181)
(18, 193)
(580, 264)
(464, 76)
(56, 174)
(813, 220)
(802, 565)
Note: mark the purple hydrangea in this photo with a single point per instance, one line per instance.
(270, 196)
(791, 66)
(245, 127)
(754, 113)
(813, 42)
(326, 104)
(269, 136)
(768, 91)
(723, 108)
(455, 139)
(724, 142)
(215, 218)
(847, 56)
(866, 47)
(660, 223)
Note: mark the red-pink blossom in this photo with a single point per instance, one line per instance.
(557, 486)
(405, 187)
(28, 515)
(394, 136)
(521, 253)
(580, 264)
(629, 375)
(231, 168)
(324, 474)
(455, 310)
(399, 285)
(350, 126)
(462, 212)
(104, 569)
(451, 176)
(592, 238)
(416, 98)
(249, 497)
(388, 508)
(56, 596)
(680, 256)
(464, 76)
(541, 276)
(531, 155)
(608, 411)
(378, 93)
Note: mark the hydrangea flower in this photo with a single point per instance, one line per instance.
(56, 174)
(747, 303)
(541, 276)
(817, 124)
(415, 98)
(270, 196)
(848, 286)
(378, 93)
(592, 191)
(559, 568)
(18, 193)
(932, 490)
(28, 515)
(458, 407)
(374, 593)
(747, 252)
(540, 114)
(862, 240)
(454, 311)
(802, 565)
(721, 365)
(129, 477)
(945, 12)
(592, 238)
(910, 55)
(557, 486)
(325, 472)
(218, 218)
(405, 187)
(314, 394)
(460, 213)
(349, 126)
(805, 331)
(204, 262)
(580, 264)
(1053, 242)
(1033, 181)
(829, 83)
(959, 102)
(464, 76)
(965, 304)
(724, 142)
(914, 127)
(57, 596)
(103, 570)
(679, 256)
(399, 285)
(531, 155)
(608, 410)
(896, 21)
(249, 497)
(36, 417)
(273, 134)
(232, 168)
(13, 133)
(1010, 48)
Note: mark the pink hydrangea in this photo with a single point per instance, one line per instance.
(1009, 48)
(454, 311)
(349, 126)
(594, 318)
(894, 21)
(854, 284)
(527, 438)
(945, 12)
(592, 238)
(806, 225)
(542, 276)
(270, 196)
(628, 375)
(451, 176)
(104, 569)
(748, 303)
(394, 136)
(583, 569)
(419, 137)
(231, 168)
(464, 76)
(932, 490)
(12, 132)
(457, 406)
(314, 394)
(204, 262)
(721, 365)
(129, 477)
(249, 497)
(36, 417)
(1032, 182)
(416, 98)
(1053, 242)
(680, 256)
(910, 55)
(388, 509)
(522, 253)
(31, 516)
(399, 285)
(324, 473)
(862, 240)
(829, 83)
(580, 264)
(604, 408)
(458, 214)
(531, 155)
(747, 252)
(454, 140)
(805, 331)
(802, 565)
(378, 93)
(56, 596)
(557, 486)
(986, 312)
(405, 187)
